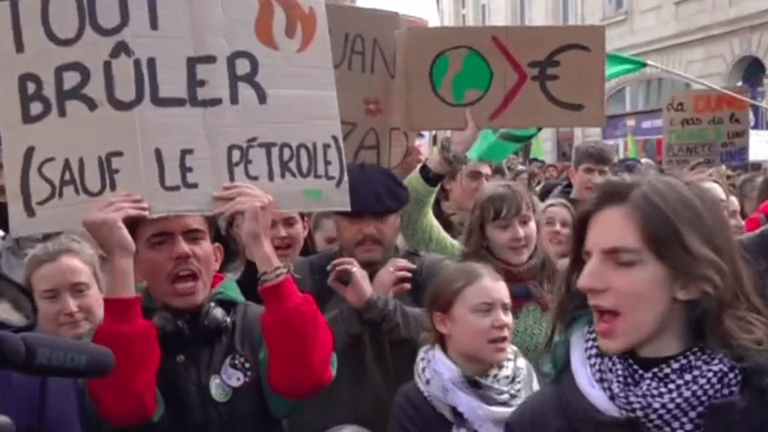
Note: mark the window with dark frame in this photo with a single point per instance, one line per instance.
(524, 9)
(613, 7)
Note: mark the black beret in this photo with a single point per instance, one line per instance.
(375, 190)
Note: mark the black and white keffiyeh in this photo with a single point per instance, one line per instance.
(671, 397)
(474, 404)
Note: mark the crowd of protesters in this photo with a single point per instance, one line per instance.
(597, 295)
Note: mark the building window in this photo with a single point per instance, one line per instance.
(565, 11)
(524, 11)
(612, 7)
(463, 12)
(617, 102)
(485, 12)
(647, 95)
(564, 144)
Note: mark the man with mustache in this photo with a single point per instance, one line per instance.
(190, 353)
(370, 291)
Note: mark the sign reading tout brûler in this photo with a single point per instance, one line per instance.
(514, 77)
(169, 99)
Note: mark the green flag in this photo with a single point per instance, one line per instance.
(495, 145)
(616, 65)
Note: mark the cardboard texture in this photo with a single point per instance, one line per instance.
(705, 125)
(363, 44)
(401, 143)
(169, 100)
(514, 77)
(412, 21)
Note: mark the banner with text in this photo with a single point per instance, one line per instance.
(167, 99)
(363, 44)
(705, 125)
(511, 77)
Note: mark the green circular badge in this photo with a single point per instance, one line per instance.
(220, 391)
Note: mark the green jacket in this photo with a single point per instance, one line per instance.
(422, 231)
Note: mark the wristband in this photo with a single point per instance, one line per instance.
(274, 274)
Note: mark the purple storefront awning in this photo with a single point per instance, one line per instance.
(642, 125)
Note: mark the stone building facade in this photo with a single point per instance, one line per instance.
(724, 42)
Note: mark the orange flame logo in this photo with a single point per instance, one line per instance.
(295, 17)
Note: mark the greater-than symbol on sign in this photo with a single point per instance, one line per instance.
(543, 77)
(522, 77)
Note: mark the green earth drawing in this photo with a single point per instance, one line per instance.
(460, 76)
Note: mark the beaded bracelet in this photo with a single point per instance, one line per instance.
(273, 274)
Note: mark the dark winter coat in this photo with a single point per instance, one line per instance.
(40, 404)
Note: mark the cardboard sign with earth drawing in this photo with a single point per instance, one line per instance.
(511, 77)
(363, 44)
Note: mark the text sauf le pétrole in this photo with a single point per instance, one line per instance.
(71, 84)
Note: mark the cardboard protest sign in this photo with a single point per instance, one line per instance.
(758, 148)
(166, 99)
(413, 21)
(363, 44)
(401, 143)
(514, 77)
(708, 125)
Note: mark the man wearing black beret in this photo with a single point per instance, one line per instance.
(370, 291)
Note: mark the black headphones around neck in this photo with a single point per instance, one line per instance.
(212, 322)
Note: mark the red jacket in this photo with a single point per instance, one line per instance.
(755, 220)
(298, 341)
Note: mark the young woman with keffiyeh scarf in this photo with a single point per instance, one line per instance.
(501, 231)
(469, 378)
(662, 330)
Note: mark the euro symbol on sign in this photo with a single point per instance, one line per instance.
(543, 77)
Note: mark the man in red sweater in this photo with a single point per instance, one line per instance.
(190, 353)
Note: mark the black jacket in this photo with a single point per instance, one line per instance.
(185, 410)
(211, 377)
(755, 249)
(376, 347)
(412, 412)
(564, 191)
(561, 407)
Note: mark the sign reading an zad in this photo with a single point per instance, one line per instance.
(98, 96)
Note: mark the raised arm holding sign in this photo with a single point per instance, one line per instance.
(188, 327)
(168, 101)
